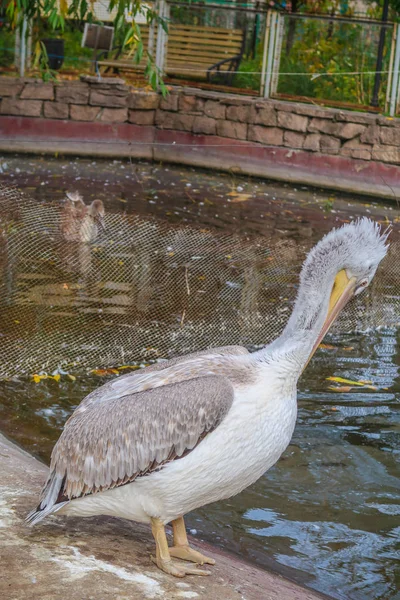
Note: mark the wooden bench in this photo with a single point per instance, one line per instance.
(209, 53)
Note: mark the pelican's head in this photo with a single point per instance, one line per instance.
(346, 260)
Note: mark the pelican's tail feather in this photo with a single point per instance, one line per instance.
(51, 500)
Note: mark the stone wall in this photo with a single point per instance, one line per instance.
(312, 133)
(268, 122)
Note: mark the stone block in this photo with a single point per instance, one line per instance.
(56, 110)
(285, 106)
(143, 100)
(390, 135)
(109, 96)
(387, 121)
(351, 130)
(237, 100)
(171, 120)
(21, 108)
(293, 139)
(142, 117)
(214, 109)
(385, 153)
(205, 125)
(355, 117)
(312, 142)
(232, 129)
(272, 136)
(329, 144)
(79, 112)
(238, 113)
(308, 110)
(263, 115)
(292, 121)
(171, 102)
(114, 115)
(73, 92)
(10, 86)
(355, 149)
(191, 104)
(324, 126)
(38, 91)
(371, 135)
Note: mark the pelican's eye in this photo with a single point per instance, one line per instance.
(361, 286)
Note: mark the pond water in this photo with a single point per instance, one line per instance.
(327, 514)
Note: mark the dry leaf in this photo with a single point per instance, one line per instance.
(103, 372)
(236, 197)
(349, 381)
(340, 388)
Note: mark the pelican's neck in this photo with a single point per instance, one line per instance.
(297, 340)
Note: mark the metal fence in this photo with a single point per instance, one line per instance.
(250, 50)
(328, 59)
(322, 59)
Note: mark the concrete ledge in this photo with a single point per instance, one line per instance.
(103, 558)
(31, 135)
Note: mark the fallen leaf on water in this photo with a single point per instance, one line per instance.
(72, 377)
(349, 381)
(327, 347)
(38, 377)
(128, 367)
(103, 372)
(236, 197)
(340, 388)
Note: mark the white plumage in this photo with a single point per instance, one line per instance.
(154, 445)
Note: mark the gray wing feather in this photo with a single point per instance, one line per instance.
(158, 375)
(112, 443)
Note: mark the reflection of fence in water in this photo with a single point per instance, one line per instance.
(144, 289)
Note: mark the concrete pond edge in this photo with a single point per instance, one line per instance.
(101, 558)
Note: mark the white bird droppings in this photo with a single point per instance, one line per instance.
(79, 565)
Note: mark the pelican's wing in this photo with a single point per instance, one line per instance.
(175, 370)
(112, 443)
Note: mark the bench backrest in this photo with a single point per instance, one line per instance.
(208, 45)
(195, 44)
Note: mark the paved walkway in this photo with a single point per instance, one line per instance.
(102, 558)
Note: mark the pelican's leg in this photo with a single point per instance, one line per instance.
(181, 548)
(163, 558)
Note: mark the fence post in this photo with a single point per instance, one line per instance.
(23, 47)
(271, 51)
(390, 68)
(265, 51)
(277, 54)
(162, 37)
(394, 94)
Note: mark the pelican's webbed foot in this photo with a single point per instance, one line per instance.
(187, 553)
(181, 549)
(177, 570)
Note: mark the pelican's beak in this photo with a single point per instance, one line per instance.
(342, 291)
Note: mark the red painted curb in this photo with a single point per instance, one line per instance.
(25, 134)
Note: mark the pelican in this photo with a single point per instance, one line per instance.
(79, 222)
(156, 444)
